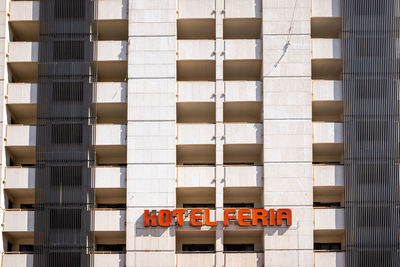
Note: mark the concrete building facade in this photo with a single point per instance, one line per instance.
(200, 104)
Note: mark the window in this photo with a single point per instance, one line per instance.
(25, 248)
(198, 247)
(328, 246)
(27, 206)
(111, 206)
(327, 204)
(110, 247)
(238, 247)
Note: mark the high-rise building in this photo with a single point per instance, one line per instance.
(199, 133)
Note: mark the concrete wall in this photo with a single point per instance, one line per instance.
(288, 130)
(151, 129)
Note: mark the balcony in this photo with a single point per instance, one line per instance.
(328, 143)
(100, 260)
(243, 176)
(326, 8)
(244, 259)
(110, 143)
(243, 9)
(234, 176)
(234, 91)
(193, 9)
(195, 176)
(328, 219)
(326, 59)
(327, 133)
(21, 102)
(111, 58)
(18, 221)
(329, 259)
(243, 133)
(112, 20)
(24, 178)
(248, 91)
(243, 49)
(328, 175)
(196, 259)
(195, 134)
(196, 50)
(326, 21)
(326, 49)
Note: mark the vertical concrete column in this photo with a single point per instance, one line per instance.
(288, 130)
(3, 91)
(219, 102)
(151, 161)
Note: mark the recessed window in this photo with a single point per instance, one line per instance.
(238, 247)
(328, 246)
(198, 247)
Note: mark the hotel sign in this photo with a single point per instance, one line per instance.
(201, 217)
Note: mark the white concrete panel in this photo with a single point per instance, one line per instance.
(289, 258)
(111, 92)
(196, 260)
(243, 133)
(326, 48)
(196, 9)
(109, 260)
(17, 177)
(23, 51)
(111, 134)
(24, 10)
(325, 8)
(326, 90)
(110, 177)
(18, 93)
(244, 259)
(195, 176)
(243, 8)
(328, 175)
(329, 219)
(112, 50)
(196, 91)
(330, 259)
(196, 134)
(19, 221)
(150, 258)
(243, 49)
(20, 260)
(196, 50)
(110, 220)
(112, 9)
(21, 135)
(243, 91)
(328, 132)
(243, 176)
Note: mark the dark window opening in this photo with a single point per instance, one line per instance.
(327, 204)
(69, 50)
(238, 247)
(67, 92)
(65, 219)
(25, 248)
(9, 246)
(198, 247)
(27, 206)
(240, 163)
(66, 176)
(111, 206)
(328, 246)
(66, 134)
(239, 205)
(198, 205)
(111, 247)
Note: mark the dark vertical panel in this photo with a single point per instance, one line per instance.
(370, 89)
(66, 117)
